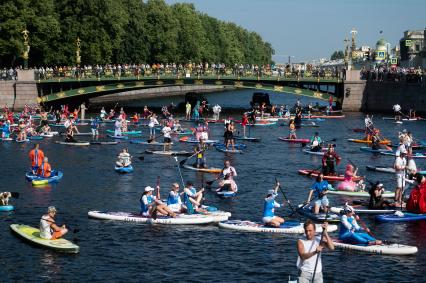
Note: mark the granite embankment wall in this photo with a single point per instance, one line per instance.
(18, 93)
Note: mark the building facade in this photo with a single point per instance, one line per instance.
(413, 49)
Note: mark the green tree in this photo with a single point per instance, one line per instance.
(337, 55)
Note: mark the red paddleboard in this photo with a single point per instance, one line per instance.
(294, 140)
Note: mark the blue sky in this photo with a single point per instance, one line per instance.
(312, 29)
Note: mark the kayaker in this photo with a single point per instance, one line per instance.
(149, 202)
(308, 250)
(375, 142)
(377, 201)
(292, 130)
(351, 233)
(94, 126)
(417, 201)
(174, 201)
(117, 127)
(124, 158)
(151, 125)
(191, 194)
(244, 122)
(269, 217)
(167, 138)
(400, 167)
(319, 191)
(4, 198)
(45, 169)
(316, 142)
(48, 228)
(229, 135)
(36, 157)
(328, 161)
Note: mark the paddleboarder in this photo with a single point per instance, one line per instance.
(417, 201)
(328, 160)
(397, 111)
(400, 167)
(308, 249)
(36, 157)
(269, 217)
(149, 202)
(319, 191)
(124, 158)
(316, 142)
(48, 228)
(377, 201)
(4, 198)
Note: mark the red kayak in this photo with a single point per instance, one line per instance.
(294, 140)
(314, 174)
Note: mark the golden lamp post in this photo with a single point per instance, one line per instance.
(25, 53)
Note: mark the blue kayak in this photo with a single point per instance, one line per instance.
(127, 169)
(55, 176)
(369, 149)
(405, 217)
(6, 207)
(237, 145)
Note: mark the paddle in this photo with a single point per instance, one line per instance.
(312, 171)
(319, 254)
(188, 204)
(185, 159)
(154, 209)
(285, 197)
(209, 183)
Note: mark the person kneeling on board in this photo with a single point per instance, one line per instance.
(4, 198)
(319, 191)
(351, 233)
(227, 184)
(124, 158)
(45, 169)
(48, 228)
(269, 217)
(150, 203)
(316, 142)
(193, 197)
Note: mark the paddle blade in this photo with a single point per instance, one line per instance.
(182, 162)
(15, 194)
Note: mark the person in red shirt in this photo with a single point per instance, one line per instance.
(244, 122)
(44, 170)
(36, 156)
(328, 161)
(417, 201)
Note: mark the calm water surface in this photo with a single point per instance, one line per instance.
(119, 252)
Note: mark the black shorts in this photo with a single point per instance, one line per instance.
(167, 140)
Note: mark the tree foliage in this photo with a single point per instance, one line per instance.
(122, 31)
(337, 55)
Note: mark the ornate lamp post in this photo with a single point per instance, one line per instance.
(353, 47)
(26, 51)
(77, 55)
(346, 52)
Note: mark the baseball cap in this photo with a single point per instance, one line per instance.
(148, 188)
(271, 192)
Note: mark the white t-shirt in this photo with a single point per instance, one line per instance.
(228, 170)
(67, 123)
(308, 265)
(411, 166)
(45, 230)
(396, 108)
(166, 131)
(152, 122)
(400, 162)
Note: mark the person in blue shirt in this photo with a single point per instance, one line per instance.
(94, 126)
(319, 192)
(269, 217)
(174, 201)
(149, 203)
(351, 233)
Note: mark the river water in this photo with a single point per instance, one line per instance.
(119, 252)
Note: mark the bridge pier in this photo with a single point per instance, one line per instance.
(20, 92)
(353, 92)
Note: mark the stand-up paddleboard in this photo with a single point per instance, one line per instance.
(180, 219)
(288, 227)
(230, 150)
(314, 173)
(369, 149)
(250, 139)
(32, 235)
(382, 169)
(359, 209)
(416, 155)
(169, 153)
(263, 124)
(125, 133)
(404, 119)
(365, 194)
(6, 139)
(126, 169)
(49, 135)
(103, 142)
(236, 146)
(21, 141)
(73, 143)
(309, 151)
(147, 143)
(77, 134)
(385, 142)
(35, 138)
(294, 140)
(226, 193)
(324, 117)
(194, 140)
(118, 137)
(320, 217)
(205, 170)
(6, 207)
(401, 217)
(384, 249)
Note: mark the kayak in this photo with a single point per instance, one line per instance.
(103, 143)
(288, 227)
(381, 169)
(224, 149)
(315, 173)
(180, 219)
(294, 140)
(125, 133)
(21, 141)
(369, 149)
(205, 170)
(118, 137)
(170, 152)
(33, 235)
(405, 217)
(237, 145)
(362, 210)
(250, 139)
(386, 194)
(416, 155)
(73, 143)
(6, 207)
(35, 137)
(55, 176)
(226, 194)
(127, 169)
(385, 142)
(146, 142)
(308, 151)
(384, 249)
(320, 217)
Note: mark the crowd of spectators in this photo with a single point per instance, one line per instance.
(394, 74)
(8, 74)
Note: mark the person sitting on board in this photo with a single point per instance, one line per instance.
(377, 201)
(71, 124)
(319, 191)
(36, 156)
(174, 201)
(328, 161)
(351, 233)
(375, 142)
(229, 171)
(45, 130)
(70, 135)
(4, 198)
(45, 170)
(269, 217)
(167, 138)
(397, 110)
(227, 184)
(316, 142)
(417, 201)
(48, 228)
(117, 127)
(124, 159)
(200, 159)
(292, 130)
(194, 197)
(149, 203)
(5, 130)
(349, 183)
